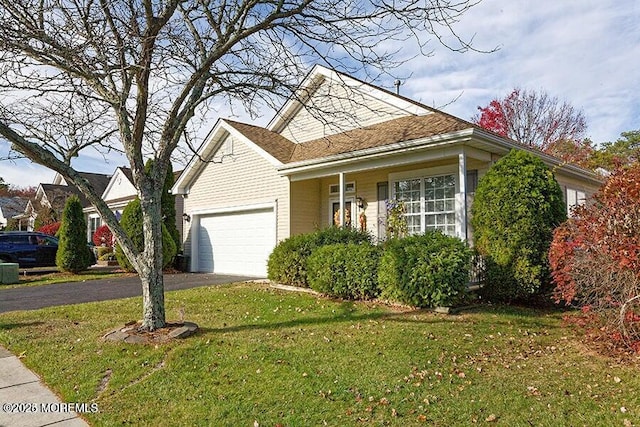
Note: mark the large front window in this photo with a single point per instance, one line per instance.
(429, 202)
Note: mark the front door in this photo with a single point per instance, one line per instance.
(349, 213)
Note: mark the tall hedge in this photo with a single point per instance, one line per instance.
(131, 222)
(428, 270)
(73, 253)
(287, 263)
(517, 205)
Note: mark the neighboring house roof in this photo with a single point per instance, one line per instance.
(56, 195)
(12, 206)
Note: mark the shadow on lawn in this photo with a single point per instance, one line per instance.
(9, 326)
(344, 315)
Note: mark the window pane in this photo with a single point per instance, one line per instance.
(450, 205)
(449, 192)
(438, 181)
(439, 205)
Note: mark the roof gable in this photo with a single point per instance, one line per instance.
(329, 102)
(120, 186)
(271, 146)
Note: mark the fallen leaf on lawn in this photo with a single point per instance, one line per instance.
(422, 418)
(491, 418)
(617, 379)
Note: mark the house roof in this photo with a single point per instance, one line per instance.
(421, 126)
(12, 206)
(390, 132)
(273, 143)
(407, 128)
(98, 181)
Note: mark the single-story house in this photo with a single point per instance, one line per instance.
(118, 192)
(53, 197)
(339, 142)
(11, 207)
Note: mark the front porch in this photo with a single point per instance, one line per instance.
(436, 187)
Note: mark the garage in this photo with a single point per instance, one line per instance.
(236, 242)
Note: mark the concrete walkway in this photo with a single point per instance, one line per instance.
(25, 401)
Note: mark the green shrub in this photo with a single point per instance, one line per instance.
(73, 253)
(427, 270)
(287, 263)
(131, 222)
(346, 271)
(517, 205)
(103, 250)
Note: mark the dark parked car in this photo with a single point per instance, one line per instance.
(28, 248)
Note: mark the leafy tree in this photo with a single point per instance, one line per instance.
(595, 256)
(73, 253)
(517, 205)
(131, 222)
(533, 118)
(4, 187)
(620, 153)
(132, 76)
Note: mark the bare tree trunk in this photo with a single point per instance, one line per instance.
(151, 260)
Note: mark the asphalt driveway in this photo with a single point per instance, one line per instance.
(35, 297)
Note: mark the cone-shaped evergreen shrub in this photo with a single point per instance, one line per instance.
(131, 222)
(73, 253)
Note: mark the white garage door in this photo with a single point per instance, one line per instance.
(237, 242)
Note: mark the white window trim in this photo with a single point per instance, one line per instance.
(349, 188)
(421, 174)
(354, 209)
(579, 198)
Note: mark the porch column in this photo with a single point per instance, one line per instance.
(342, 213)
(462, 195)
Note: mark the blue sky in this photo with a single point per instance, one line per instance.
(586, 52)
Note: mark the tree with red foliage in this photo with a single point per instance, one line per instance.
(50, 229)
(103, 236)
(532, 118)
(595, 256)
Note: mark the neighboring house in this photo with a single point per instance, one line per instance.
(53, 197)
(10, 207)
(118, 192)
(339, 142)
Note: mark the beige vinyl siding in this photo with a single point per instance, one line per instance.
(243, 179)
(352, 109)
(305, 206)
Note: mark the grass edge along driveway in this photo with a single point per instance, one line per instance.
(294, 359)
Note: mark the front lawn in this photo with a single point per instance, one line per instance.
(293, 359)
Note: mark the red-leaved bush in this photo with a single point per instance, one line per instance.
(50, 229)
(595, 256)
(103, 237)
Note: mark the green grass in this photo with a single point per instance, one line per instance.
(298, 360)
(52, 278)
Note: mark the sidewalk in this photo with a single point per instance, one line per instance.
(25, 401)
